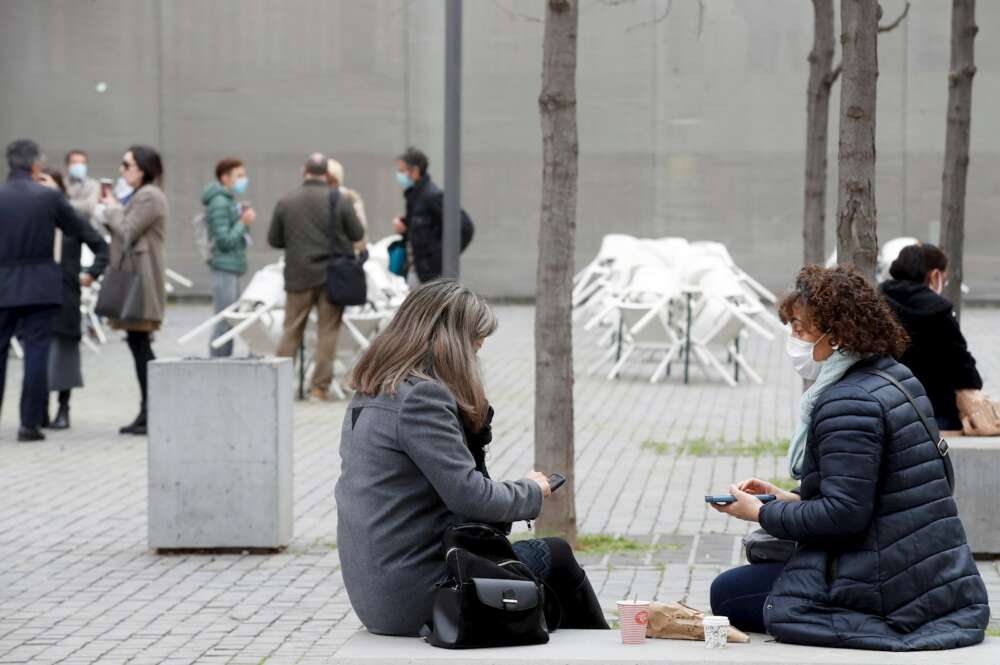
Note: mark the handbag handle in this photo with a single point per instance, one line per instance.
(933, 431)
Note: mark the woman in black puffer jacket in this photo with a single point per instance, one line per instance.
(881, 559)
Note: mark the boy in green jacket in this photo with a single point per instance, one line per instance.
(228, 226)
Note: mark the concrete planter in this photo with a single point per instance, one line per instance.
(220, 453)
(977, 468)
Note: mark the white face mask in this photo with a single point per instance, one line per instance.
(801, 353)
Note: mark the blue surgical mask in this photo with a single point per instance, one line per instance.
(77, 171)
(240, 185)
(404, 180)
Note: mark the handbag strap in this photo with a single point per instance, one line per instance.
(334, 200)
(932, 429)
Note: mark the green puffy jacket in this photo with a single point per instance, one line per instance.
(225, 232)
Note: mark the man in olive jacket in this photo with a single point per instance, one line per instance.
(301, 226)
(228, 227)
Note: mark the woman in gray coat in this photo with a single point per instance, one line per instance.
(412, 465)
(138, 243)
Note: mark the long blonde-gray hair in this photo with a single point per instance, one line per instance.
(432, 336)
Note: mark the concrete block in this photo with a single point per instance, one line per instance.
(220, 453)
(977, 468)
(605, 647)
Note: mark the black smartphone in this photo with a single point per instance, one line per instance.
(729, 498)
(556, 480)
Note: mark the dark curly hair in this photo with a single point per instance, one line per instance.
(841, 302)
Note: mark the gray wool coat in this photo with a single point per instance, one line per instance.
(142, 222)
(406, 475)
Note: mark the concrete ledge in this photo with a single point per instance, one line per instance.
(605, 647)
(977, 467)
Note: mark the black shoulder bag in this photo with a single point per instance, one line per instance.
(932, 430)
(345, 275)
(489, 599)
(121, 294)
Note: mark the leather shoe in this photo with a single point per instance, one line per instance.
(26, 434)
(137, 426)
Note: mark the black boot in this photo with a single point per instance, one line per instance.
(137, 426)
(62, 418)
(581, 609)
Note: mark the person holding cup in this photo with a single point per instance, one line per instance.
(413, 464)
(881, 560)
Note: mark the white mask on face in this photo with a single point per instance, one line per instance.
(801, 353)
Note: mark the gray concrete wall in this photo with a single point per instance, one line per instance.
(691, 126)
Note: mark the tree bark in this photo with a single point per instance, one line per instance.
(857, 240)
(956, 146)
(554, 450)
(817, 122)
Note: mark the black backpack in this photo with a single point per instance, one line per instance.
(490, 598)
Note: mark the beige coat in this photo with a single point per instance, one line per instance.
(143, 223)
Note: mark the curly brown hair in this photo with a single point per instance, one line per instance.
(841, 302)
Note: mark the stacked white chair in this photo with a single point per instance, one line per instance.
(644, 321)
(653, 295)
(257, 318)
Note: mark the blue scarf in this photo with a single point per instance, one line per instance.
(831, 371)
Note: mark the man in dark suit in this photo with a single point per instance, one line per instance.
(31, 208)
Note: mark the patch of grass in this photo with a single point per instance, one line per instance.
(993, 632)
(702, 447)
(671, 546)
(601, 543)
(658, 447)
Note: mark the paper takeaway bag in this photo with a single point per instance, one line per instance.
(677, 621)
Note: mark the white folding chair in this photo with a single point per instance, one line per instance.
(717, 325)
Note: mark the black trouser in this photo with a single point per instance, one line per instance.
(35, 333)
(140, 344)
(552, 561)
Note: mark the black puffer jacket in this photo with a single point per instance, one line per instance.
(882, 561)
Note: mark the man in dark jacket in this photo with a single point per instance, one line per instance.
(31, 287)
(423, 224)
(301, 225)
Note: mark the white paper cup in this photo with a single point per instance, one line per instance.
(632, 618)
(716, 632)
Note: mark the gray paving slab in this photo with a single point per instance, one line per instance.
(79, 582)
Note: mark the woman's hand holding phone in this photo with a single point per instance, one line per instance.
(757, 486)
(543, 482)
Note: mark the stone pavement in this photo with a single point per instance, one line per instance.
(78, 585)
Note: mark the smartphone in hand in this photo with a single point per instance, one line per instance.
(556, 480)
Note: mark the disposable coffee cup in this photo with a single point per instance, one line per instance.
(632, 618)
(716, 632)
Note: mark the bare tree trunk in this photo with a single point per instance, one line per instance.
(817, 122)
(554, 451)
(857, 241)
(956, 146)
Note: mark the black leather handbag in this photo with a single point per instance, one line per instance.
(761, 547)
(121, 294)
(345, 274)
(484, 603)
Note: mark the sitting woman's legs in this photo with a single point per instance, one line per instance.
(552, 561)
(740, 594)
